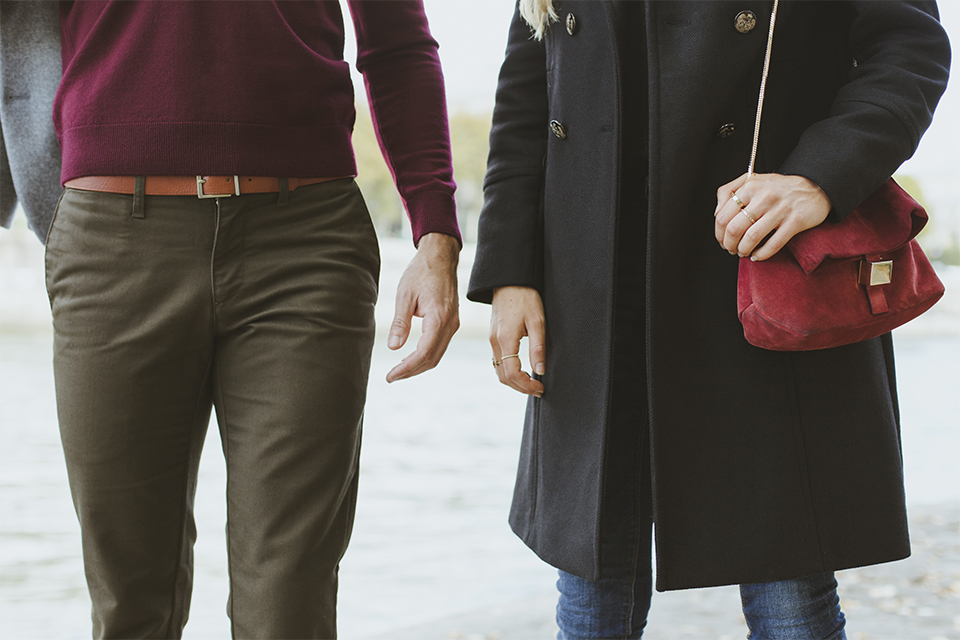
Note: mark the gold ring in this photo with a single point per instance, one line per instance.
(512, 355)
(746, 212)
(736, 198)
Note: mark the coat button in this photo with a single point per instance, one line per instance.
(571, 24)
(726, 130)
(745, 21)
(558, 130)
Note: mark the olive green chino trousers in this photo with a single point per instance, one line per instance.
(259, 305)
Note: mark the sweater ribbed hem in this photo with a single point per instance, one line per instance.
(207, 148)
(433, 212)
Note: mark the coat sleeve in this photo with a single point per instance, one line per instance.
(902, 59)
(509, 241)
(30, 70)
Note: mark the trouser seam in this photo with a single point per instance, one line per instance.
(223, 424)
(213, 257)
(183, 511)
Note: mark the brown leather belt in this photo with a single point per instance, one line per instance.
(199, 186)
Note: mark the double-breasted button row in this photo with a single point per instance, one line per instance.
(555, 125)
(745, 21)
(726, 130)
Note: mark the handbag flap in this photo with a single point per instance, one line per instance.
(884, 222)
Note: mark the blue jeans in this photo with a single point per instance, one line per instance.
(801, 609)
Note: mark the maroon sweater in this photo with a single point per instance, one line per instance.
(253, 88)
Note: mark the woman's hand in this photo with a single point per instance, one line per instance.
(518, 312)
(749, 210)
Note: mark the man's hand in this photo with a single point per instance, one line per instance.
(518, 312)
(428, 290)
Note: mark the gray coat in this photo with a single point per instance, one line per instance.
(30, 70)
(765, 465)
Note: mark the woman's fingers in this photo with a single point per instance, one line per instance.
(513, 376)
(509, 369)
(517, 313)
(724, 193)
(763, 213)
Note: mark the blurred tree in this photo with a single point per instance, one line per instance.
(374, 180)
(470, 139)
(936, 239)
(469, 135)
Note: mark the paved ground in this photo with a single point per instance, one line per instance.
(915, 599)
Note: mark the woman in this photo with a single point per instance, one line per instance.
(619, 133)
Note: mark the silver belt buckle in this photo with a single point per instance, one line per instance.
(201, 181)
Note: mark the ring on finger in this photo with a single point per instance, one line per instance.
(736, 198)
(512, 355)
(496, 363)
(749, 214)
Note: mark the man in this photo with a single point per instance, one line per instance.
(211, 248)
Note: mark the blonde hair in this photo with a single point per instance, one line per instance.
(538, 14)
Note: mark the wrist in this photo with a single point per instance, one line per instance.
(439, 244)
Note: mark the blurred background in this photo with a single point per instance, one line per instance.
(432, 555)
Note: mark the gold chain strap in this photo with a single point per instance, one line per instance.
(763, 88)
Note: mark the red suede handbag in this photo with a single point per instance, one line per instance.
(839, 283)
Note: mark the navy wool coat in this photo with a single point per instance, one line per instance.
(765, 465)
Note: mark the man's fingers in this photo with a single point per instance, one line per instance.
(402, 318)
(408, 367)
(437, 333)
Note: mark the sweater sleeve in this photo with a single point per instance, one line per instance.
(401, 69)
(902, 60)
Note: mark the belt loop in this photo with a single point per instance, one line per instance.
(139, 192)
(284, 192)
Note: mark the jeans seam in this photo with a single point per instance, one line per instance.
(743, 604)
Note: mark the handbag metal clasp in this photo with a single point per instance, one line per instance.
(201, 181)
(873, 274)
